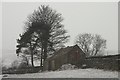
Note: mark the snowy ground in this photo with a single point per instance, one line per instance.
(78, 73)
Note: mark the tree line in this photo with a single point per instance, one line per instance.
(44, 34)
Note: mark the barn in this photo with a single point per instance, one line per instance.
(69, 55)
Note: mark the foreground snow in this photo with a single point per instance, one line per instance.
(78, 73)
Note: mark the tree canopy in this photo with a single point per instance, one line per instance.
(44, 30)
(90, 44)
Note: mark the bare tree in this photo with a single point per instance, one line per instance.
(98, 44)
(90, 44)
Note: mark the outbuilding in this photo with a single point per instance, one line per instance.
(69, 55)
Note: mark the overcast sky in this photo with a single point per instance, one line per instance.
(80, 17)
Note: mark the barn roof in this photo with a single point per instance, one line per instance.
(63, 51)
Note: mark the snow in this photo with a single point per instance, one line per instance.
(77, 73)
(67, 67)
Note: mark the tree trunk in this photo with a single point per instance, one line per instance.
(31, 51)
(41, 63)
(96, 52)
(45, 44)
(32, 58)
(45, 51)
(92, 54)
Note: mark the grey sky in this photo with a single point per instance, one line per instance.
(81, 17)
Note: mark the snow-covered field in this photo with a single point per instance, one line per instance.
(77, 73)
